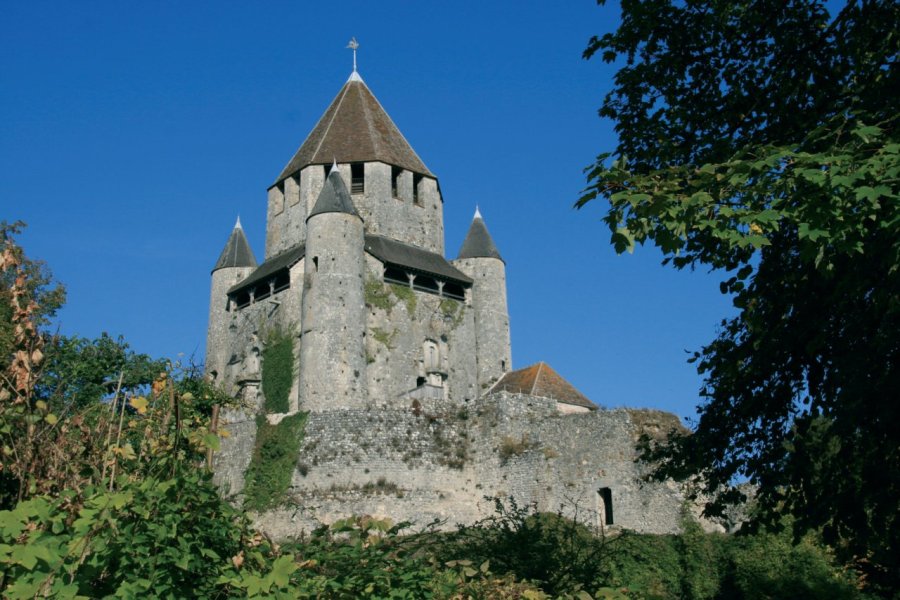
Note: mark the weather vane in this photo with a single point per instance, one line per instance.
(353, 45)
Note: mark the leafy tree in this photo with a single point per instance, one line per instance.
(760, 138)
(48, 296)
(80, 371)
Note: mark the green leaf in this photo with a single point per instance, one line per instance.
(282, 569)
(872, 193)
(623, 240)
(211, 440)
(805, 232)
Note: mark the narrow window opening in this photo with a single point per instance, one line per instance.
(606, 499)
(420, 381)
(417, 194)
(357, 178)
(395, 181)
(503, 365)
(315, 263)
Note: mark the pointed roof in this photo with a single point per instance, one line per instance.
(334, 196)
(355, 128)
(478, 242)
(237, 252)
(540, 380)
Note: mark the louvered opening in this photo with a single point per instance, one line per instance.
(357, 178)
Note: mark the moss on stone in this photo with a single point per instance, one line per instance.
(278, 371)
(378, 295)
(407, 295)
(453, 309)
(275, 454)
(383, 337)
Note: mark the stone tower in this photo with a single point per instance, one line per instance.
(480, 260)
(235, 262)
(355, 273)
(393, 191)
(332, 340)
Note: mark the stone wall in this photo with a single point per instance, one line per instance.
(399, 322)
(422, 464)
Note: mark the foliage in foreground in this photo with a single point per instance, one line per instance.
(116, 500)
(761, 138)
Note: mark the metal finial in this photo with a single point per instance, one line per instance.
(353, 45)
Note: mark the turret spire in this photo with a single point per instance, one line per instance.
(334, 196)
(478, 242)
(355, 127)
(237, 252)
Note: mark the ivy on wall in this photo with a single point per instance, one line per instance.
(278, 371)
(275, 455)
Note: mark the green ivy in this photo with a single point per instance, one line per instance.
(275, 455)
(278, 371)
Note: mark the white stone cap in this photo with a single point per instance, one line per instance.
(237, 224)
(354, 76)
(477, 213)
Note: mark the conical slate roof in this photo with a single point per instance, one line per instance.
(237, 252)
(478, 242)
(540, 380)
(355, 128)
(334, 196)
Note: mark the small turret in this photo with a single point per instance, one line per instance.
(333, 321)
(235, 263)
(480, 260)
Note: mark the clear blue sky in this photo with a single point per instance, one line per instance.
(132, 134)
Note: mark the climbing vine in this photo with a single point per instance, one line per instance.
(275, 455)
(278, 371)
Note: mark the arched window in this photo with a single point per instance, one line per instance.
(432, 354)
(606, 508)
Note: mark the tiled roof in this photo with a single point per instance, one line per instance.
(406, 255)
(284, 260)
(334, 197)
(540, 380)
(355, 128)
(237, 252)
(478, 242)
(384, 249)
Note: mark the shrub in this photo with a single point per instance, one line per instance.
(510, 446)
